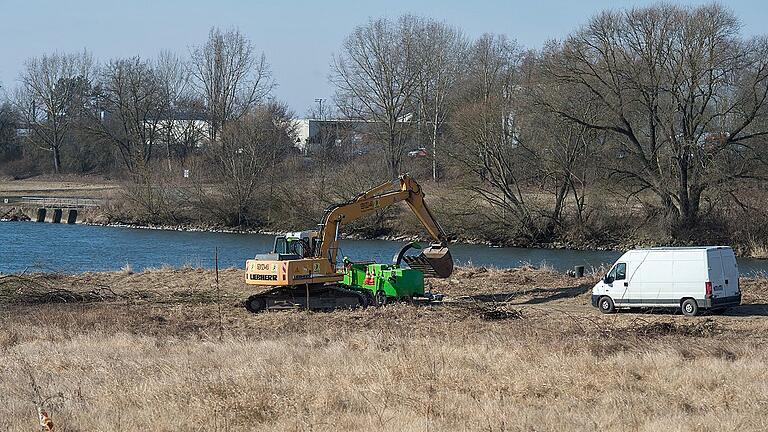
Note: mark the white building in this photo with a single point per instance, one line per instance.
(349, 133)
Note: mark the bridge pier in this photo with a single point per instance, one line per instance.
(57, 213)
(40, 215)
(72, 216)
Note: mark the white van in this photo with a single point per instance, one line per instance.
(689, 278)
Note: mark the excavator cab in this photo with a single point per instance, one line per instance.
(299, 244)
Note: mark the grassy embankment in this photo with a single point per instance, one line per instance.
(508, 350)
(66, 186)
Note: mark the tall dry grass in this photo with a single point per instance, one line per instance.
(373, 380)
(155, 362)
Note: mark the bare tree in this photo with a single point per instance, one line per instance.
(249, 150)
(377, 75)
(442, 52)
(682, 96)
(486, 133)
(49, 87)
(178, 120)
(9, 148)
(526, 161)
(564, 154)
(231, 77)
(130, 111)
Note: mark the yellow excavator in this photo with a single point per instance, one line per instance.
(302, 271)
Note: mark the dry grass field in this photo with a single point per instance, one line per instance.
(509, 350)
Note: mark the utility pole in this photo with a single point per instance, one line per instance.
(319, 102)
(323, 149)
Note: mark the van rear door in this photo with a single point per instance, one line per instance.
(730, 272)
(716, 275)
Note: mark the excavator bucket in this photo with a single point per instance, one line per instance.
(434, 261)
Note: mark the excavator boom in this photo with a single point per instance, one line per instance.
(434, 261)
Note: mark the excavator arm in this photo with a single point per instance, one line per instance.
(434, 260)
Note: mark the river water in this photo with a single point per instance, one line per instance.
(28, 246)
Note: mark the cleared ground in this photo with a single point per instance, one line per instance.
(508, 350)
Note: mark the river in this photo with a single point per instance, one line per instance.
(45, 247)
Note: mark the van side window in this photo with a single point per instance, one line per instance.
(621, 271)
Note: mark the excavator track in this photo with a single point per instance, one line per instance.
(321, 298)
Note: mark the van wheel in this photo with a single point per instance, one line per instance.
(689, 307)
(606, 305)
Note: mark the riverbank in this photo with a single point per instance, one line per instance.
(514, 349)
(609, 228)
(94, 217)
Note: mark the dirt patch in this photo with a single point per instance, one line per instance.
(500, 313)
(705, 328)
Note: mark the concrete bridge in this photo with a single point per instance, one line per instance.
(51, 209)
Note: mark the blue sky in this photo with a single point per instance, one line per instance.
(297, 36)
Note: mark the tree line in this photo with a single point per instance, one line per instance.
(666, 103)
(657, 110)
(130, 108)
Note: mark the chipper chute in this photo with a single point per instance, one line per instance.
(434, 261)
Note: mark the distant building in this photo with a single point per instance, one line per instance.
(352, 135)
(187, 127)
